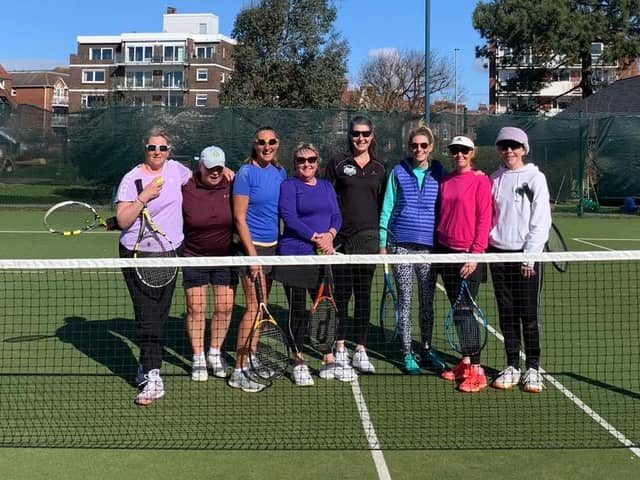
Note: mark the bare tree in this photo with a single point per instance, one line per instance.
(394, 80)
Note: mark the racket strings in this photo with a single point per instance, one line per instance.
(70, 217)
(388, 317)
(322, 328)
(272, 352)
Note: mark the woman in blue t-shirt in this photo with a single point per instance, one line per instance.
(256, 191)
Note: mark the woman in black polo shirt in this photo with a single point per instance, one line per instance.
(359, 179)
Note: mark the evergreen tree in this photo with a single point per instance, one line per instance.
(287, 56)
(557, 33)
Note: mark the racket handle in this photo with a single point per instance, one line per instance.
(112, 223)
(259, 292)
(139, 185)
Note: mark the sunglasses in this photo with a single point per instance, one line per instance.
(302, 160)
(271, 141)
(215, 170)
(505, 144)
(456, 149)
(365, 134)
(153, 148)
(423, 145)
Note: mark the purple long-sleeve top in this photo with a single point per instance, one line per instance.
(306, 209)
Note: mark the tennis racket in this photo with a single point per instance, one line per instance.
(389, 309)
(555, 242)
(153, 243)
(323, 322)
(72, 218)
(272, 351)
(466, 324)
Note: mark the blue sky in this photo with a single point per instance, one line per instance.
(42, 34)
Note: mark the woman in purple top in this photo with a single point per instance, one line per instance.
(164, 200)
(309, 210)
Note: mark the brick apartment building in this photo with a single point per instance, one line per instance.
(6, 89)
(45, 89)
(184, 65)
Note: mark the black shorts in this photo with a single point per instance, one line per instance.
(262, 252)
(202, 276)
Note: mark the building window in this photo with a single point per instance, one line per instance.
(13, 92)
(93, 101)
(205, 52)
(139, 54)
(202, 75)
(93, 76)
(2, 84)
(173, 79)
(203, 28)
(596, 49)
(224, 52)
(201, 100)
(139, 79)
(222, 77)
(173, 54)
(101, 54)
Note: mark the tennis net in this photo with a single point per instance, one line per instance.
(69, 355)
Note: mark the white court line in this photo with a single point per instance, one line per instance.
(595, 416)
(49, 233)
(581, 240)
(372, 438)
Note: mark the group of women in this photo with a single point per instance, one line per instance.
(425, 208)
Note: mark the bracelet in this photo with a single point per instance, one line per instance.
(333, 235)
(140, 201)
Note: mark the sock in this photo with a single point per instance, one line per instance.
(198, 358)
(214, 351)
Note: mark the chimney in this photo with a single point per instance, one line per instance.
(171, 10)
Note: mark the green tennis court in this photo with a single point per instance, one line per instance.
(88, 342)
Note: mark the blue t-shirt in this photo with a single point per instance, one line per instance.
(262, 186)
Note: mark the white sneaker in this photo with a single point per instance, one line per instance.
(302, 376)
(507, 378)
(532, 381)
(260, 369)
(331, 371)
(217, 365)
(362, 363)
(240, 379)
(199, 370)
(342, 357)
(153, 389)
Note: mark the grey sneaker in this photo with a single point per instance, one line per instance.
(362, 363)
(532, 381)
(153, 388)
(199, 371)
(507, 378)
(217, 365)
(302, 376)
(240, 379)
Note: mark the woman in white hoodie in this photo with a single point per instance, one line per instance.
(521, 222)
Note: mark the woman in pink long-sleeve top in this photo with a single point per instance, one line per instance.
(464, 223)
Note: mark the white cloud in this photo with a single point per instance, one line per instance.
(382, 52)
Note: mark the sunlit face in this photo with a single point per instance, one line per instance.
(462, 157)
(306, 163)
(266, 145)
(421, 147)
(512, 154)
(361, 138)
(210, 176)
(154, 157)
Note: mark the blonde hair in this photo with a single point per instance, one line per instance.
(306, 146)
(421, 130)
(157, 132)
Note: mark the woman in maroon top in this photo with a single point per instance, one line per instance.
(208, 231)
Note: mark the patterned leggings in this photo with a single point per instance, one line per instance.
(426, 276)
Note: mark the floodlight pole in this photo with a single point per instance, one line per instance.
(427, 62)
(455, 87)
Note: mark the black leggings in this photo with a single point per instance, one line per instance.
(518, 300)
(151, 308)
(354, 280)
(298, 317)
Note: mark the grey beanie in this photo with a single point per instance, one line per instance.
(515, 134)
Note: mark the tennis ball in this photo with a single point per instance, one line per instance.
(159, 180)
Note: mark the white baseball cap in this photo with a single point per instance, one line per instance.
(212, 156)
(463, 141)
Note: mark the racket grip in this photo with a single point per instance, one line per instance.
(139, 185)
(259, 292)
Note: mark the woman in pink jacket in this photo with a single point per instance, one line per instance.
(463, 227)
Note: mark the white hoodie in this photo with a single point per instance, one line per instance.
(519, 224)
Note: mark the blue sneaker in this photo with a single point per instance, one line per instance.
(430, 359)
(410, 365)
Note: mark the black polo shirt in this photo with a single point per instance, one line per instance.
(360, 191)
